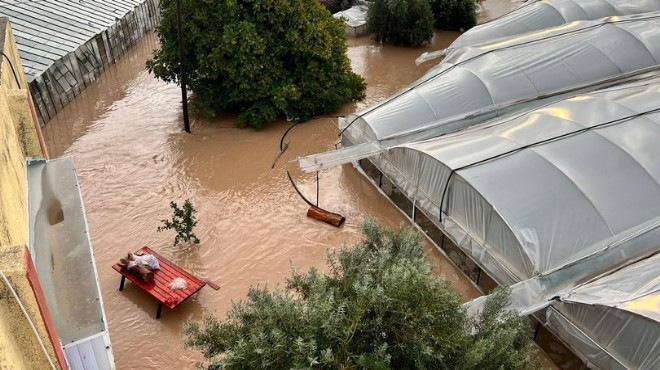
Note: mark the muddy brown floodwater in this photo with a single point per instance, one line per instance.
(124, 133)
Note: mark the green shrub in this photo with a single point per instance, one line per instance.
(454, 15)
(402, 22)
(378, 307)
(263, 58)
(183, 222)
(335, 6)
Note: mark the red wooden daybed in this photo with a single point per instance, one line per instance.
(159, 288)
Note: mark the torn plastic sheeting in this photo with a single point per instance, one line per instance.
(533, 294)
(581, 344)
(430, 55)
(606, 336)
(318, 162)
(634, 288)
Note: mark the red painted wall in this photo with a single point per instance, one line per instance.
(33, 278)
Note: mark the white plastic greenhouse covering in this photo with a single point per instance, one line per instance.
(531, 193)
(536, 15)
(554, 197)
(614, 322)
(478, 83)
(355, 18)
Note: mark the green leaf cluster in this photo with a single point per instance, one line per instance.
(454, 15)
(412, 22)
(335, 6)
(262, 58)
(401, 22)
(183, 222)
(378, 307)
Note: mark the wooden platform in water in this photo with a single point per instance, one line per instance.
(159, 288)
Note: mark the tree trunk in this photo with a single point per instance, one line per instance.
(333, 219)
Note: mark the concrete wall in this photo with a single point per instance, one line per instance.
(19, 139)
(68, 77)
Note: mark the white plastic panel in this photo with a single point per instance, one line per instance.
(89, 354)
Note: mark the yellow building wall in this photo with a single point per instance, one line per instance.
(19, 347)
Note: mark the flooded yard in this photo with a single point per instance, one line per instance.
(133, 158)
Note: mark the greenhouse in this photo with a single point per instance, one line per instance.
(549, 199)
(355, 19)
(536, 15)
(478, 83)
(595, 175)
(614, 321)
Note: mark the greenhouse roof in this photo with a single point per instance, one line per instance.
(355, 16)
(478, 83)
(474, 78)
(527, 194)
(563, 203)
(46, 30)
(535, 15)
(635, 289)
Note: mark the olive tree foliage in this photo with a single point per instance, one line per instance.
(401, 22)
(379, 306)
(454, 15)
(262, 58)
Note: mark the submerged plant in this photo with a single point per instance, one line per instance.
(183, 221)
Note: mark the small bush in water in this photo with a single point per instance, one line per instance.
(183, 221)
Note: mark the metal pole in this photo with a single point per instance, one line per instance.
(317, 188)
(182, 69)
(536, 332)
(414, 209)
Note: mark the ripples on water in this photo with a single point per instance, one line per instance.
(132, 157)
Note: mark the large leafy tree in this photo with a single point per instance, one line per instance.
(262, 58)
(378, 307)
